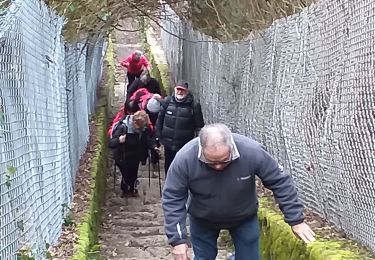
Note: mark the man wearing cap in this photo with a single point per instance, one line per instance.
(217, 171)
(179, 120)
(135, 64)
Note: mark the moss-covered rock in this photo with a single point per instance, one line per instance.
(88, 228)
(277, 241)
(111, 72)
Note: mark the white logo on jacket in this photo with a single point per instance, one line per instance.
(244, 178)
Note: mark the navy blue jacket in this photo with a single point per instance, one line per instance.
(224, 199)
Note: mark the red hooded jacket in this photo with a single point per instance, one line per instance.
(143, 95)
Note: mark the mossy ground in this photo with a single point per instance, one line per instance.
(86, 247)
(277, 241)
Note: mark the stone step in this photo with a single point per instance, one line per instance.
(133, 231)
(148, 190)
(128, 240)
(134, 222)
(145, 252)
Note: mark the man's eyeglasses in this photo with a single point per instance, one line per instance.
(214, 163)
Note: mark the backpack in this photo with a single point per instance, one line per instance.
(119, 116)
(117, 152)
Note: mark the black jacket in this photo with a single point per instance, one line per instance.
(178, 122)
(152, 86)
(135, 143)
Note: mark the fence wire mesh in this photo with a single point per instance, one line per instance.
(47, 93)
(304, 88)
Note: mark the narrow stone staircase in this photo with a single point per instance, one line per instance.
(133, 227)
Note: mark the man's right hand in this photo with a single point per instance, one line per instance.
(180, 252)
(304, 232)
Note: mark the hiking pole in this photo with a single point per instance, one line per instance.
(149, 169)
(158, 163)
(114, 175)
(159, 177)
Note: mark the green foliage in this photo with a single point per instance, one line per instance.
(4, 4)
(25, 253)
(24, 257)
(47, 253)
(68, 220)
(225, 240)
(11, 170)
(67, 215)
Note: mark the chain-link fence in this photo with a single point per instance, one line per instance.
(47, 94)
(305, 88)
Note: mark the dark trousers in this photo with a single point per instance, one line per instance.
(131, 78)
(245, 239)
(169, 156)
(129, 172)
(153, 117)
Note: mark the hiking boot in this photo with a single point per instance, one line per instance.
(125, 194)
(134, 193)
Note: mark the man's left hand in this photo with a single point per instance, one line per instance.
(304, 232)
(157, 151)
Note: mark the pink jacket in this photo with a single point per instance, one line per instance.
(135, 67)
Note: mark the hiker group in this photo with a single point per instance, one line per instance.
(210, 171)
(148, 119)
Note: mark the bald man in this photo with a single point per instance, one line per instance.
(218, 169)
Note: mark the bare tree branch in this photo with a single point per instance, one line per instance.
(227, 20)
